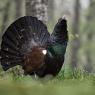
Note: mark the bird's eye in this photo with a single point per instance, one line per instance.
(44, 52)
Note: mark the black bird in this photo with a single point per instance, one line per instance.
(28, 43)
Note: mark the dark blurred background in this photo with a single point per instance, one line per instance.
(80, 15)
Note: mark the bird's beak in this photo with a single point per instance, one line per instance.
(63, 17)
(44, 52)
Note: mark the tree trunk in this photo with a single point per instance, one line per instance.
(91, 30)
(5, 16)
(76, 42)
(20, 8)
(37, 8)
(51, 10)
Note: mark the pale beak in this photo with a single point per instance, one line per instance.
(44, 52)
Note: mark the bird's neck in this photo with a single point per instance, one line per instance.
(58, 49)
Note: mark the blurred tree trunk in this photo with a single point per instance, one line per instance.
(1, 30)
(91, 30)
(76, 41)
(5, 16)
(20, 8)
(51, 10)
(37, 8)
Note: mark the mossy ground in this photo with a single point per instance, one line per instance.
(60, 85)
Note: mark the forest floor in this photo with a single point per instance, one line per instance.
(26, 85)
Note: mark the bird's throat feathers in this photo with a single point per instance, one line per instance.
(58, 49)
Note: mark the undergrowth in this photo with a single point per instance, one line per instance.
(66, 83)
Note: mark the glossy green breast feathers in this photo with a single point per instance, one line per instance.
(58, 49)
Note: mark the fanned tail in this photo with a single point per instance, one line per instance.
(19, 38)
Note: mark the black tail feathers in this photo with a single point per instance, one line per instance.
(19, 38)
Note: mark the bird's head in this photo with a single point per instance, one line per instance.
(34, 60)
(62, 22)
(60, 33)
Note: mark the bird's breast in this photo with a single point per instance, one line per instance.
(33, 60)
